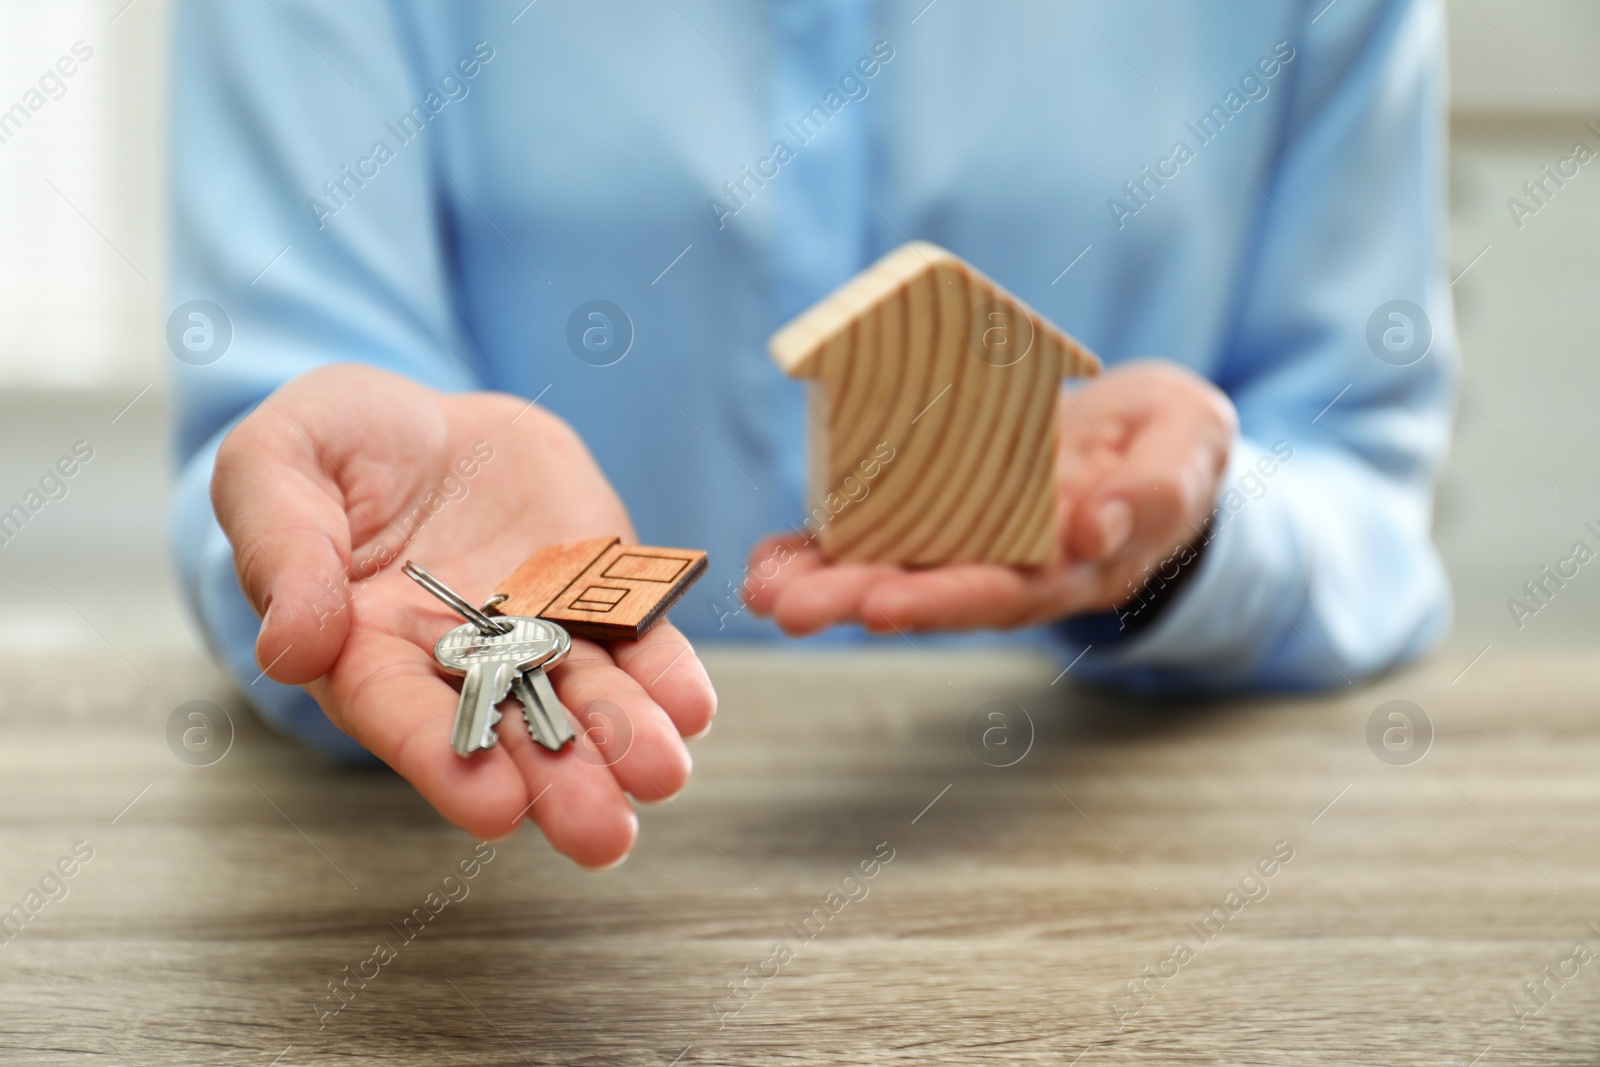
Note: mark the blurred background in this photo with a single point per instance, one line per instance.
(82, 309)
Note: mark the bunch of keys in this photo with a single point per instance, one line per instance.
(496, 656)
(598, 589)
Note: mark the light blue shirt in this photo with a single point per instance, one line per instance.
(1245, 188)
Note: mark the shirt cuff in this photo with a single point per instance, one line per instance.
(1215, 631)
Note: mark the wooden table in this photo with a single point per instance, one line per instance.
(221, 901)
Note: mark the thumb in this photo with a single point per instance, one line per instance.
(1164, 481)
(284, 515)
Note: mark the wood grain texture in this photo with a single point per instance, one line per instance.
(546, 574)
(933, 414)
(1019, 901)
(626, 591)
(600, 589)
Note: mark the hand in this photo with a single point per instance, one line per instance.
(1142, 450)
(318, 489)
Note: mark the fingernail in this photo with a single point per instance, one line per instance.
(613, 865)
(620, 860)
(651, 801)
(1116, 526)
(262, 660)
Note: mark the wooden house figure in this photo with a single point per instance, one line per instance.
(933, 399)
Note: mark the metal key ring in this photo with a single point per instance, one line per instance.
(486, 625)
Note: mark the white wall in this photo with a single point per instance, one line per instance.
(80, 230)
(1525, 56)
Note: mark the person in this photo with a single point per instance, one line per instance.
(399, 220)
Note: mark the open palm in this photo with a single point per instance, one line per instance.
(1141, 451)
(344, 473)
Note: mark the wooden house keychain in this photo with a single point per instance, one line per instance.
(599, 589)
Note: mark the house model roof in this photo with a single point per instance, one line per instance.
(796, 346)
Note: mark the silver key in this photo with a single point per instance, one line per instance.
(542, 710)
(492, 664)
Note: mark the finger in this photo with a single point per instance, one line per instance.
(1102, 528)
(386, 693)
(776, 563)
(975, 596)
(577, 805)
(663, 662)
(1154, 495)
(591, 675)
(643, 750)
(284, 515)
(828, 596)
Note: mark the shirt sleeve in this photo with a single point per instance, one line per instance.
(305, 231)
(1320, 567)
